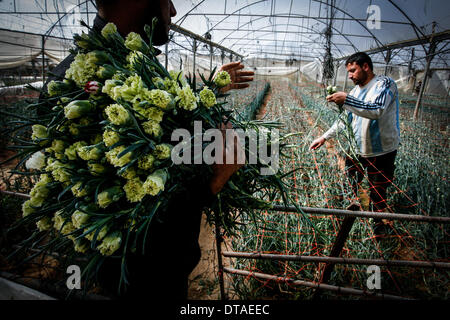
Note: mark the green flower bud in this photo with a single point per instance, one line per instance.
(98, 57)
(109, 196)
(96, 169)
(78, 108)
(93, 152)
(109, 30)
(79, 219)
(106, 71)
(57, 88)
(110, 244)
(39, 132)
(155, 182)
(134, 42)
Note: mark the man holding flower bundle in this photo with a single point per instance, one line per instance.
(373, 114)
(171, 249)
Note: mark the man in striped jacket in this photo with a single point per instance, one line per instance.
(372, 109)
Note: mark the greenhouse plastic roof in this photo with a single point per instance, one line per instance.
(283, 29)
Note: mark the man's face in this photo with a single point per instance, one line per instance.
(165, 11)
(358, 74)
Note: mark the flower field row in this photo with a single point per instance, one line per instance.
(320, 181)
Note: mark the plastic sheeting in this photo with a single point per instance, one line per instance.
(281, 29)
(18, 48)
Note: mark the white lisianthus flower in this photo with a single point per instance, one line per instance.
(36, 161)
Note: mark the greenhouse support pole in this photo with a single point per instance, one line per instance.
(339, 243)
(414, 81)
(425, 78)
(43, 58)
(210, 57)
(219, 241)
(410, 66)
(448, 89)
(336, 73)
(430, 56)
(194, 47)
(388, 61)
(166, 62)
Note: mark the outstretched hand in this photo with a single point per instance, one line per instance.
(239, 78)
(317, 143)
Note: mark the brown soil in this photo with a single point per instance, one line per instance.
(203, 281)
(263, 109)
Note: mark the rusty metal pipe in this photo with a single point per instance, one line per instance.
(314, 285)
(363, 214)
(337, 260)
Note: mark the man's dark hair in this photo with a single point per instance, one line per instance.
(360, 58)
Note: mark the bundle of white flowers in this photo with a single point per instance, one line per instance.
(102, 147)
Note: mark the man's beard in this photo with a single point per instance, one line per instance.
(160, 36)
(362, 80)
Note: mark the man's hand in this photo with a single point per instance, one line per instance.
(239, 78)
(223, 172)
(317, 143)
(338, 98)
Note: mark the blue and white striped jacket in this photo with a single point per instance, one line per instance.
(373, 111)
